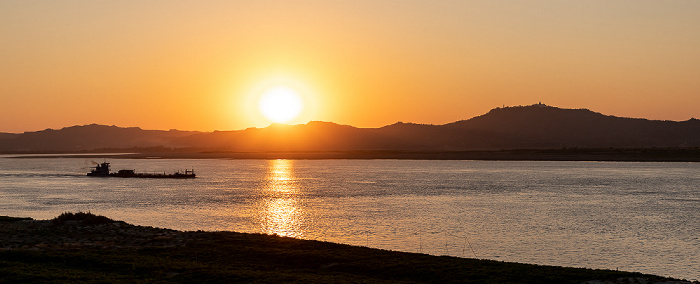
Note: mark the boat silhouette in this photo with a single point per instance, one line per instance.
(102, 170)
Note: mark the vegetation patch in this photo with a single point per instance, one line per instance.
(83, 218)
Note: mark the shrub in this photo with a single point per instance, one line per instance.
(83, 218)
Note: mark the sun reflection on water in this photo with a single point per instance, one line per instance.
(282, 214)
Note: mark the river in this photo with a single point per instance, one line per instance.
(612, 215)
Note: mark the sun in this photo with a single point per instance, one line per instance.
(280, 104)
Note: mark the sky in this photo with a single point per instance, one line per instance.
(203, 65)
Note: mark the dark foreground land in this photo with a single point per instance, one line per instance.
(83, 247)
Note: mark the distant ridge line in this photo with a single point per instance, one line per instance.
(536, 126)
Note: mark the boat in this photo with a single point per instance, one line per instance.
(102, 170)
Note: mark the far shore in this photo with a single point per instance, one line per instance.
(565, 154)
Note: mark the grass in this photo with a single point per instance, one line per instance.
(12, 219)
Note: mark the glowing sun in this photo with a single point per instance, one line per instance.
(280, 104)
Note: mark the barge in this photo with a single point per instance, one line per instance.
(102, 170)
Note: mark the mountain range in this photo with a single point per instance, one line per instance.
(522, 127)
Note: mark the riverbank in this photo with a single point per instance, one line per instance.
(84, 247)
(564, 154)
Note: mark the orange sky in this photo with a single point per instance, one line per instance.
(200, 65)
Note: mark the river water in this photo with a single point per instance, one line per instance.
(612, 215)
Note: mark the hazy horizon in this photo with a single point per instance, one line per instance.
(207, 65)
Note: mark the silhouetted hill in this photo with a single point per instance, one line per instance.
(524, 127)
(540, 126)
(4, 136)
(89, 137)
(313, 136)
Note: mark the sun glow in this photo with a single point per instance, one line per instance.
(280, 104)
(270, 97)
